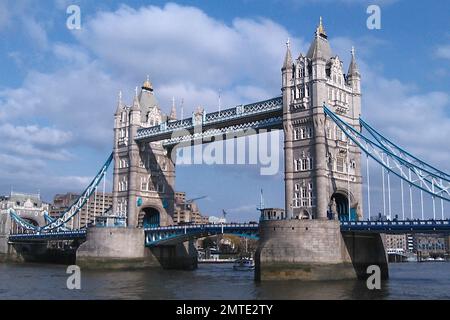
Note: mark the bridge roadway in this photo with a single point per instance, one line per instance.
(175, 234)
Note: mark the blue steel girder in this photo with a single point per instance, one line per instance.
(63, 235)
(59, 224)
(266, 114)
(421, 177)
(176, 234)
(409, 226)
(400, 152)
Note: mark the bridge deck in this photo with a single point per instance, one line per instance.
(65, 235)
(159, 235)
(266, 114)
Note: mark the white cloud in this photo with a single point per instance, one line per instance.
(177, 44)
(192, 56)
(4, 15)
(443, 52)
(36, 32)
(187, 53)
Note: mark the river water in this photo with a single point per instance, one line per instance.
(37, 281)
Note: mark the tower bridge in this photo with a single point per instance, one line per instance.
(322, 233)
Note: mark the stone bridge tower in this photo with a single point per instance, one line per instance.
(322, 176)
(144, 174)
(323, 167)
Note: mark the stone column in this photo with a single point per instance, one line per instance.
(321, 178)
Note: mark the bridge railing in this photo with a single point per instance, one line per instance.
(212, 118)
(203, 226)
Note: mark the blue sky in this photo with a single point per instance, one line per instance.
(58, 88)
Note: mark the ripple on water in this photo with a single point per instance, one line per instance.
(37, 281)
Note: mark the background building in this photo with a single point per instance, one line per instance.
(96, 206)
(28, 206)
(396, 243)
(277, 214)
(431, 245)
(187, 211)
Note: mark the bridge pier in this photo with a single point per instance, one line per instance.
(315, 250)
(123, 248)
(115, 248)
(7, 251)
(182, 256)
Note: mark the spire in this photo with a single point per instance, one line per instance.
(136, 105)
(353, 68)
(119, 103)
(321, 30)
(173, 112)
(288, 58)
(320, 48)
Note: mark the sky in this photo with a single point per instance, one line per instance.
(59, 87)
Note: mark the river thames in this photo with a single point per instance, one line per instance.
(37, 281)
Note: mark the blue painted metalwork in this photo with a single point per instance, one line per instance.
(21, 222)
(59, 224)
(388, 144)
(409, 226)
(269, 123)
(175, 234)
(62, 235)
(47, 218)
(257, 113)
(419, 176)
(151, 219)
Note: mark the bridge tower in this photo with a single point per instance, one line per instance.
(323, 182)
(323, 168)
(144, 173)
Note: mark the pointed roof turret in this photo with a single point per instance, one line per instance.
(320, 48)
(173, 112)
(288, 58)
(353, 68)
(119, 104)
(136, 106)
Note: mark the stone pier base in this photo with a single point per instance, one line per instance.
(182, 256)
(124, 248)
(314, 250)
(7, 251)
(115, 248)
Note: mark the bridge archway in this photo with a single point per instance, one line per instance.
(152, 217)
(304, 215)
(340, 206)
(31, 221)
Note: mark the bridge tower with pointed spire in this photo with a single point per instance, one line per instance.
(144, 173)
(323, 180)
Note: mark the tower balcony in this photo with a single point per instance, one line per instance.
(123, 141)
(340, 107)
(300, 104)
